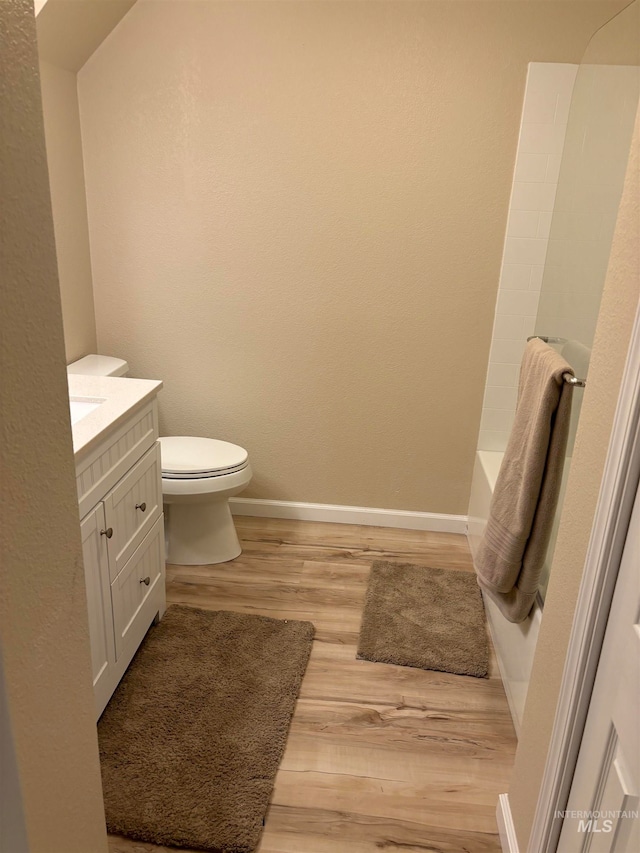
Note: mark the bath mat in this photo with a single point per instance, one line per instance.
(424, 617)
(191, 740)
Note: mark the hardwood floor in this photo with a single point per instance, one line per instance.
(379, 757)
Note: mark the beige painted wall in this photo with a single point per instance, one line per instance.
(620, 301)
(297, 213)
(44, 636)
(68, 200)
(70, 30)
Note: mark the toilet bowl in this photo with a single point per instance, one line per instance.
(199, 475)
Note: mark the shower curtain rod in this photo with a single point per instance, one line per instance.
(569, 378)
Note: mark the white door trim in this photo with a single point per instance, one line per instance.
(613, 511)
(506, 829)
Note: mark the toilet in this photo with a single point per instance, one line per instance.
(199, 475)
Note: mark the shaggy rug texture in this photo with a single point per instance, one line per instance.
(424, 617)
(191, 740)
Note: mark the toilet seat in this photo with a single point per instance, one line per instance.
(189, 458)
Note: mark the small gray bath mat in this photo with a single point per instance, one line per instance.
(191, 740)
(424, 617)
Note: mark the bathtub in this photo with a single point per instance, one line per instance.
(514, 644)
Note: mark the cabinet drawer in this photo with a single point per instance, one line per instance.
(130, 591)
(104, 466)
(132, 508)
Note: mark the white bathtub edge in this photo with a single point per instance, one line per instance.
(514, 644)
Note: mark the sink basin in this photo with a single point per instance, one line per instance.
(82, 406)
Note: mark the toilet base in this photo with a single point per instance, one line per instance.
(201, 534)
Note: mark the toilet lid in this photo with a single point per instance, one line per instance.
(186, 457)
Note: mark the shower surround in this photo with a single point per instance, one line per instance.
(545, 113)
(543, 127)
(573, 146)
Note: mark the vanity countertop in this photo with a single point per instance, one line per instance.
(118, 397)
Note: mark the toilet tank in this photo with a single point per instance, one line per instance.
(99, 365)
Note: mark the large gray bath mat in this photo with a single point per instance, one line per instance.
(424, 617)
(191, 740)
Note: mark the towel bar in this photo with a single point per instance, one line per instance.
(569, 378)
(548, 340)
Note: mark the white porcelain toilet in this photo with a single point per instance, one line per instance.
(199, 475)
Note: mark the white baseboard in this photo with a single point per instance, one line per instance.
(506, 829)
(405, 519)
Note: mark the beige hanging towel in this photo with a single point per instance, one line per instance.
(513, 548)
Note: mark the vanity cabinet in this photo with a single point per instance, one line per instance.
(120, 498)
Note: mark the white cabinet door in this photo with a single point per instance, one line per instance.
(606, 783)
(134, 592)
(96, 573)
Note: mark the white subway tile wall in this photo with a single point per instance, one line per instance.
(544, 122)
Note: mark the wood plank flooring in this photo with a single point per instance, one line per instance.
(379, 757)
